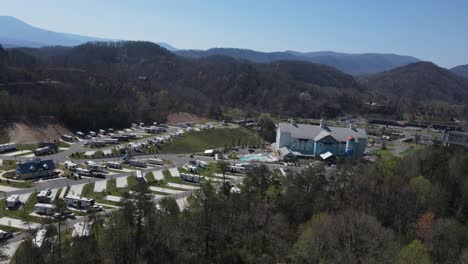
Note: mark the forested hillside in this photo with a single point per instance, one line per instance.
(100, 84)
(413, 210)
(112, 84)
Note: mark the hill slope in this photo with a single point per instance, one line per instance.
(355, 64)
(461, 70)
(422, 81)
(98, 84)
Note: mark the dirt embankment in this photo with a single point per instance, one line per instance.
(174, 118)
(29, 133)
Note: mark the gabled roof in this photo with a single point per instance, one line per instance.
(35, 165)
(317, 133)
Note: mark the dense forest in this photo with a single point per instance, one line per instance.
(411, 210)
(113, 84)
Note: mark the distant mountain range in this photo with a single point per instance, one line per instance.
(16, 33)
(356, 64)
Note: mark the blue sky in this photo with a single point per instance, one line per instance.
(432, 30)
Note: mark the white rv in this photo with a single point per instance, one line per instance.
(79, 202)
(156, 161)
(12, 201)
(202, 164)
(7, 147)
(44, 209)
(140, 177)
(114, 165)
(137, 163)
(70, 165)
(83, 172)
(236, 169)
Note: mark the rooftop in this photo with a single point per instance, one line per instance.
(316, 132)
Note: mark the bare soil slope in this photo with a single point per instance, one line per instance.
(179, 117)
(28, 133)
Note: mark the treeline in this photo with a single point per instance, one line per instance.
(396, 211)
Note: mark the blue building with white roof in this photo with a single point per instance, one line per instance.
(305, 140)
(35, 168)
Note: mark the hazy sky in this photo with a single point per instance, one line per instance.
(432, 30)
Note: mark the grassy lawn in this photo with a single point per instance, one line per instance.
(412, 148)
(111, 189)
(166, 173)
(192, 142)
(26, 184)
(8, 165)
(10, 228)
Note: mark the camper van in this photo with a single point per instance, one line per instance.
(13, 201)
(44, 209)
(79, 202)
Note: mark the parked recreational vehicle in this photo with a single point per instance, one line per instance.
(45, 196)
(154, 129)
(192, 168)
(102, 132)
(97, 167)
(7, 147)
(70, 165)
(140, 177)
(114, 165)
(156, 161)
(191, 177)
(236, 169)
(67, 138)
(111, 140)
(92, 133)
(13, 201)
(97, 143)
(44, 209)
(83, 172)
(137, 163)
(79, 202)
(80, 134)
(42, 151)
(201, 164)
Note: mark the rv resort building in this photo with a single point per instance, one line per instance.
(304, 141)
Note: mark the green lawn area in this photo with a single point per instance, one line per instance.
(8, 165)
(166, 173)
(412, 148)
(26, 184)
(88, 190)
(192, 142)
(10, 228)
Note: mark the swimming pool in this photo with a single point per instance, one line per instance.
(257, 157)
